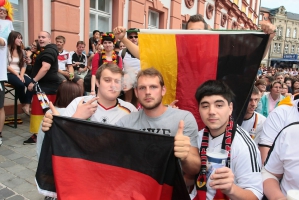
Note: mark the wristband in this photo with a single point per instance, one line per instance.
(33, 81)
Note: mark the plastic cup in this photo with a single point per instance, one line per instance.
(216, 159)
(293, 195)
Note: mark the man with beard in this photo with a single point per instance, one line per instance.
(159, 119)
(253, 121)
(45, 76)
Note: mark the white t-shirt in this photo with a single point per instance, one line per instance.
(129, 62)
(254, 125)
(62, 60)
(103, 115)
(284, 158)
(245, 163)
(5, 28)
(3, 61)
(280, 117)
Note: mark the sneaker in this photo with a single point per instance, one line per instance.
(50, 198)
(0, 140)
(31, 140)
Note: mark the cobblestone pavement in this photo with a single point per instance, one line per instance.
(18, 164)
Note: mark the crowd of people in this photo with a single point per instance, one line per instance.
(262, 156)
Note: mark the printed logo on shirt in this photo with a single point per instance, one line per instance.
(157, 130)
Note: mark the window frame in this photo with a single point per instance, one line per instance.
(286, 49)
(150, 26)
(24, 32)
(101, 13)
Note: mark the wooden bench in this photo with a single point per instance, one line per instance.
(9, 89)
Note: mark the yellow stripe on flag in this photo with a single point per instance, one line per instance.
(160, 51)
(35, 121)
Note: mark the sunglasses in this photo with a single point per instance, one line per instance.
(3, 10)
(33, 45)
(131, 37)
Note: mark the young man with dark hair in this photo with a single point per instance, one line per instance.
(197, 22)
(93, 41)
(63, 58)
(253, 121)
(130, 55)
(241, 178)
(77, 64)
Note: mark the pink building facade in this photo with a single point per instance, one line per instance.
(76, 19)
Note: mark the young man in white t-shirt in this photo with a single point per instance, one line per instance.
(253, 121)
(241, 178)
(280, 117)
(77, 64)
(280, 173)
(106, 107)
(3, 78)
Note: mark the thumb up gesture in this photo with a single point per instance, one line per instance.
(181, 143)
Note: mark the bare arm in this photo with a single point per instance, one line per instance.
(41, 73)
(2, 42)
(264, 153)
(120, 33)
(268, 28)
(271, 187)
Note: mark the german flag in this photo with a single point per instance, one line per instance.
(186, 59)
(86, 160)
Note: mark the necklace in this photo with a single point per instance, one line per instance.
(35, 55)
(104, 57)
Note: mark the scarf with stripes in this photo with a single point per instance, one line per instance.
(201, 181)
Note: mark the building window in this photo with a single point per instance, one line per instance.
(295, 33)
(261, 17)
(278, 48)
(293, 49)
(236, 2)
(100, 16)
(19, 22)
(274, 47)
(286, 49)
(279, 31)
(153, 20)
(288, 32)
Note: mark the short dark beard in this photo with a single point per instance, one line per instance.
(153, 106)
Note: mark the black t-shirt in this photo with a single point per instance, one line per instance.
(92, 41)
(78, 58)
(50, 82)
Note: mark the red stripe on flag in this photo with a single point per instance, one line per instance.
(36, 108)
(197, 63)
(81, 179)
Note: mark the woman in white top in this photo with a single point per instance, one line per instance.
(16, 69)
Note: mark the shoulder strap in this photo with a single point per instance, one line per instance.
(100, 59)
(123, 53)
(272, 147)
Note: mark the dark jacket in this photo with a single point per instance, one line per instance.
(50, 81)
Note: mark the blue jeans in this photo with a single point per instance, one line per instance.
(24, 97)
